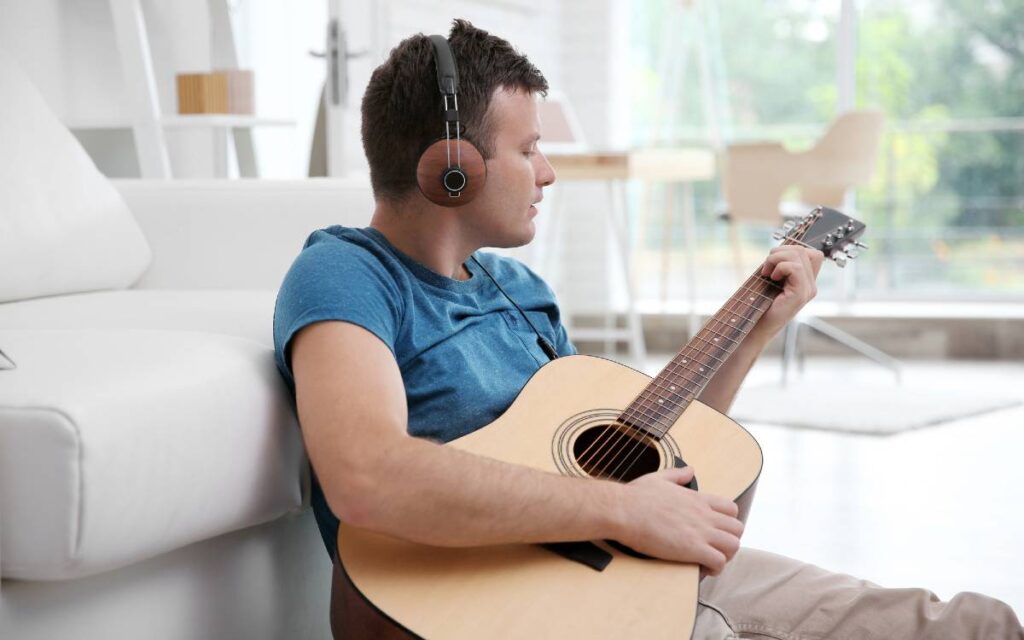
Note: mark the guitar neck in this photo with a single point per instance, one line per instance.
(664, 400)
(683, 379)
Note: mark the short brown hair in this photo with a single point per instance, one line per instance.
(402, 107)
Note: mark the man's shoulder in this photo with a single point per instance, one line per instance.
(340, 274)
(340, 242)
(342, 250)
(340, 265)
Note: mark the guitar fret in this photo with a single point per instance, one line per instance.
(733, 325)
(697, 338)
(738, 330)
(690, 370)
(746, 287)
(708, 328)
(751, 300)
(678, 398)
(638, 408)
(660, 402)
(651, 400)
(771, 282)
(643, 402)
(671, 390)
(681, 381)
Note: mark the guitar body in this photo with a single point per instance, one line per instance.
(386, 587)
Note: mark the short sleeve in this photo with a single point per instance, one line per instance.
(563, 346)
(335, 280)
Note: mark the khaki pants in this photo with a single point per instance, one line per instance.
(762, 595)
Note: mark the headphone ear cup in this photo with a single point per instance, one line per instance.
(433, 167)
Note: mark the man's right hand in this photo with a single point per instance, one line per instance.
(664, 519)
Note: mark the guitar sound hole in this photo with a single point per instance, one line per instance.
(616, 452)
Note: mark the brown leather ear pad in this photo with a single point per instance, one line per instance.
(433, 164)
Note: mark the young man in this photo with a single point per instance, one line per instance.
(395, 339)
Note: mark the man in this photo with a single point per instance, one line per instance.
(395, 338)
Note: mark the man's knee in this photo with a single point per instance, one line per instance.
(973, 615)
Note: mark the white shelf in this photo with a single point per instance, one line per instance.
(227, 120)
(97, 123)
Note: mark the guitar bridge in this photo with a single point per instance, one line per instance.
(586, 553)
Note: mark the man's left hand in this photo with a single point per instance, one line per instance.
(797, 268)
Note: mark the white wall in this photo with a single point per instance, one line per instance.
(580, 46)
(68, 49)
(594, 51)
(594, 61)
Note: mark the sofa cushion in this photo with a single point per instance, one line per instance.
(246, 314)
(63, 226)
(118, 445)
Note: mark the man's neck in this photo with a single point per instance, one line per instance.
(428, 234)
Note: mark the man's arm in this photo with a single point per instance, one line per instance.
(798, 267)
(352, 408)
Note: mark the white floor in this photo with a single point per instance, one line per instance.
(941, 507)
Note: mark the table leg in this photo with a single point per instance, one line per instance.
(690, 229)
(620, 228)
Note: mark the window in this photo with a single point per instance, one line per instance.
(946, 207)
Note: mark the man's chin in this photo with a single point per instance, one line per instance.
(528, 235)
(518, 238)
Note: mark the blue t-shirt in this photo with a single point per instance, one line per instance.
(463, 350)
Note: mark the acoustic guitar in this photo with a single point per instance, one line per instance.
(588, 417)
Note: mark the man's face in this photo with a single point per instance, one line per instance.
(502, 214)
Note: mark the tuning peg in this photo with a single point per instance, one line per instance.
(840, 260)
(861, 246)
(778, 234)
(852, 252)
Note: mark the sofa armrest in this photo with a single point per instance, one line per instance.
(236, 234)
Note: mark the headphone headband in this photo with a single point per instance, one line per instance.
(444, 64)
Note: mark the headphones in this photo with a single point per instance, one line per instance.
(450, 171)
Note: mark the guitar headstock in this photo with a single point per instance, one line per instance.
(830, 231)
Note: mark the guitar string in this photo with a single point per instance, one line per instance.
(674, 367)
(714, 318)
(636, 455)
(764, 282)
(634, 412)
(730, 306)
(617, 440)
(747, 286)
(624, 459)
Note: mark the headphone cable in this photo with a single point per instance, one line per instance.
(545, 346)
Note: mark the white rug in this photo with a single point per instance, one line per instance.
(834, 405)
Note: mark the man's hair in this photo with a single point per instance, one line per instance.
(403, 109)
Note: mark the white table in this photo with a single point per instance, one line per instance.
(683, 166)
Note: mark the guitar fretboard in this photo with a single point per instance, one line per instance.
(663, 401)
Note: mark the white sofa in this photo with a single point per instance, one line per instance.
(150, 463)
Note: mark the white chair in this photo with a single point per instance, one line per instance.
(756, 175)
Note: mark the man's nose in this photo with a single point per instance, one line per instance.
(545, 173)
